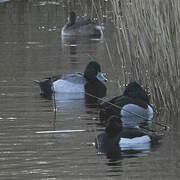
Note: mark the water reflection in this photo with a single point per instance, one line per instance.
(30, 49)
(72, 102)
(43, 3)
(78, 45)
(80, 40)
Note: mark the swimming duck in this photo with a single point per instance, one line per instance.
(134, 103)
(89, 83)
(120, 138)
(81, 27)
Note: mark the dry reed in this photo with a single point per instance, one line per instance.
(147, 41)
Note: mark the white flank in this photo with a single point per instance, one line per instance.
(137, 143)
(132, 109)
(101, 28)
(63, 86)
(2, 1)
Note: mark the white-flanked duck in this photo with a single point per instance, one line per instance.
(81, 27)
(117, 138)
(71, 84)
(134, 103)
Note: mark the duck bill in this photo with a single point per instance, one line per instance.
(100, 76)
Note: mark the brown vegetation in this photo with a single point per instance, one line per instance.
(148, 42)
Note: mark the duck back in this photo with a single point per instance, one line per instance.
(81, 27)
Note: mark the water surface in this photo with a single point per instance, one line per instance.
(31, 48)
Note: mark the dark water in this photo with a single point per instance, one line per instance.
(31, 48)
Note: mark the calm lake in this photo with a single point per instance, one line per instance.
(31, 48)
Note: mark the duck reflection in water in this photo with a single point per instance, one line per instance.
(118, 141)
(74, 102)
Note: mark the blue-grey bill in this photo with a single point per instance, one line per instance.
(101, 77)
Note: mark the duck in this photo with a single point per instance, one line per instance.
(81, 27)
(118, 138)
(134, 103)
(89, 83)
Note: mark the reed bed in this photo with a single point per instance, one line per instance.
(148, 42)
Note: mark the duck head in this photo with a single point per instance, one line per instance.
(113, 126)
(134, 90)
(93, 72)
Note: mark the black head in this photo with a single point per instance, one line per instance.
(113, 126)
(134, 90)
(94, 86)
(72, 17)
(92, 70)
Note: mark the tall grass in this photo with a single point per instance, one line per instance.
(148, 46)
